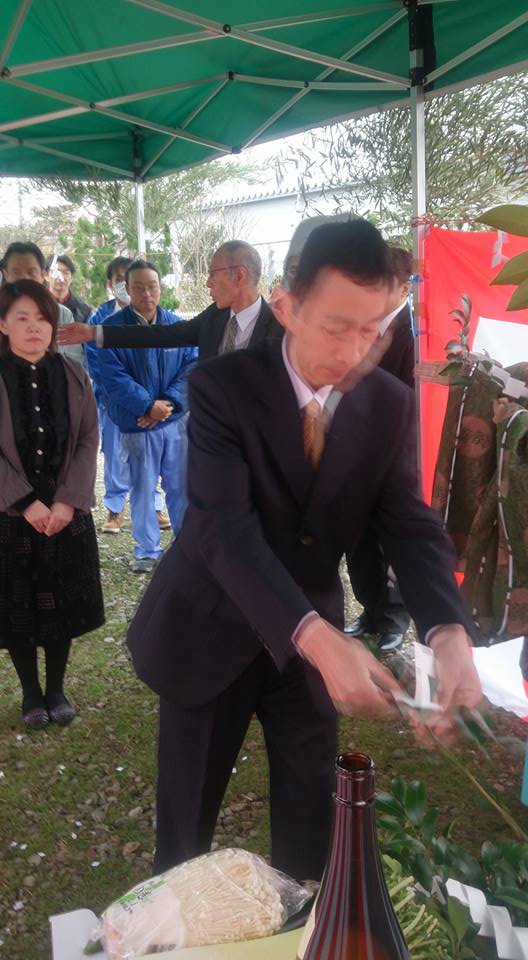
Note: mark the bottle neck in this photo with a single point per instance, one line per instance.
(354, 836)
(354, 779)
(353, 918)
(354, 830)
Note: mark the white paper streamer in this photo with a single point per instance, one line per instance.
(499, 673)
(501, 677)
(511, 942)
(425, 668)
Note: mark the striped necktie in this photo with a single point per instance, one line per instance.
(314, 420)
(231, 331)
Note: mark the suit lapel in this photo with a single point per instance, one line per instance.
(261, 328)
(280, 426)
(217, 327)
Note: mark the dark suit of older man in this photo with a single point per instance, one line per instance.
(205, 331)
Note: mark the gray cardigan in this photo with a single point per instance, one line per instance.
(74, 351)
(76, 479)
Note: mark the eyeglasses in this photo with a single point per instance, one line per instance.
(144, 287)
(218, 269)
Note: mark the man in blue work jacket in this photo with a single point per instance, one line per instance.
(146, 397)
(115, 477)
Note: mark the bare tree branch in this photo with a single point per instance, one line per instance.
(476, 148)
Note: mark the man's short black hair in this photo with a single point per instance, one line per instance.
(64, 259)
(118, 263)
(142, 265)
(354, 248)
(23, 247)
(402, 263)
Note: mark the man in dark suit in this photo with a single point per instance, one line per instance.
(244, 614)
(239, 316)
(384, 614)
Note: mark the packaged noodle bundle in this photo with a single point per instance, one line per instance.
(217, 898)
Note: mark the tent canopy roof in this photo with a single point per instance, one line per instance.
(142, 88)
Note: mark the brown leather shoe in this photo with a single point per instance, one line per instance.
(163, 520)
(113, 523)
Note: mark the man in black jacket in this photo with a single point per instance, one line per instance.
(244, 614)
(239, 316)
(384, 614)
(59, 274)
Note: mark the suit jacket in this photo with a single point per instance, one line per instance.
(204, 331)
(263, 535)
(399, 357)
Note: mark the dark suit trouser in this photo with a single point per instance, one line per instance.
(198, 748)
(384, 611)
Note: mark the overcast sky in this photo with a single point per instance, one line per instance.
(15, 193)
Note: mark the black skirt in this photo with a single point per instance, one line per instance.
(50, 588)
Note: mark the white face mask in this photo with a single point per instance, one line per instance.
(120, 292)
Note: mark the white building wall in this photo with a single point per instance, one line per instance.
(268, 223)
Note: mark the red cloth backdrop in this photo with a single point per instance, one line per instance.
(456, 262)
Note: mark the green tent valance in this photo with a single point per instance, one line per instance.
(141, 88)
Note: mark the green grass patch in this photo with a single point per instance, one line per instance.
(84, 796)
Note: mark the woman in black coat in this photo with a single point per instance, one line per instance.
(50, 589)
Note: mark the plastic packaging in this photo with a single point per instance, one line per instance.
(220, 897)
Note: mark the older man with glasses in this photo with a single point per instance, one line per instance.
(238, 318)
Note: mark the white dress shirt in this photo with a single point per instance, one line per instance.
(303, 392)
(386, 322)
(246, 321)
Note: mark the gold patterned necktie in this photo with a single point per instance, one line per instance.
(313, 432)
(231, 331)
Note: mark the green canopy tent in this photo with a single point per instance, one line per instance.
(136, 89)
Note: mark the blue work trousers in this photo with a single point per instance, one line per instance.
(152, 454)
(116, 477)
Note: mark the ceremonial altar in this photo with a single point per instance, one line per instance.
(71, 931)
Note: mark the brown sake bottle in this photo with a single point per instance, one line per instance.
(353, 917)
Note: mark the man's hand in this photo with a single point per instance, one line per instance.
(146, 422)
(37, 515)
(61, 514)
(458, 680)
(458, 683)
(355, 680)
(160, 410)
(69, 333)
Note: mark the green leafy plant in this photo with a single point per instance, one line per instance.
(512, 218)
(410, 833)
(455, 925)
(431, 931)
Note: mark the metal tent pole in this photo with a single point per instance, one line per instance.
(419, 202)
(422, 59)
(139, 198)
(140, 220)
